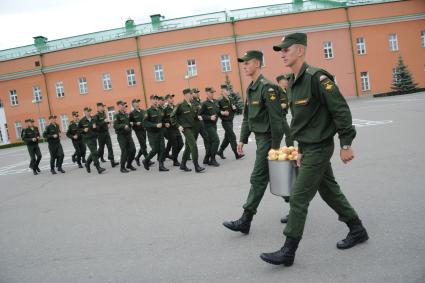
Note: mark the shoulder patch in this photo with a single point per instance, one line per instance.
(272, 94)
(327, 84)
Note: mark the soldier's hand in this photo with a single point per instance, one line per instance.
(131, 123)
(159, 125)
(126, 127)
(55, 135)
(139, 123)
(167, 125)
(94, 126)
(299, 159)
(240, 148)
(200, 118)
(233, 107)
(213, 118)
(106, 120)
(34, 139)
(346, 155)
(86, 130)
(75, 137)
(283, 105)
(181, 129)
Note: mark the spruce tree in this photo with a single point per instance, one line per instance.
(402, 79)
(235, 97)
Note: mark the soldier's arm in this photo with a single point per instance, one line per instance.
(119, 123)
(68, 133)
(173, 117)
(204, 112)
(146, 122)
(24, 136)
(46, 134)
(338, 107)
(271, 98)
(245, 132)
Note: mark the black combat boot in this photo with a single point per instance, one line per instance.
(53, 170)
(131, 167)
(146, 163)
(198, 169)
(102, 159)
(100, 169)
(124, 170)
(83, 159)
(357, 235)
(88, 167)
(137, 158)
(34, 171)
(285, 255)
(79, 164)
(73, 158)
(242, 225)
(176, 162)
(284, 219)
(184, 167)
(221, 154)
(61, 170)
(206, 160)
(213, 162)
(113, 163)
(162, 167)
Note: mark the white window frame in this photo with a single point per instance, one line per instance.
(192, 70)
(60, 91)
(82, 83)
(18, 130)
(225, 63)
(107, 83)
(423, 38)
(361, 45)
(64, 122)
(111, 113)
(365, 81)
(328, 50)
(36, 94)
(393, 42)
(42, 124)
(158, 72)
(13, 96)
(131, 77)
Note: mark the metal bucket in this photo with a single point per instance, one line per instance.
(282, 177)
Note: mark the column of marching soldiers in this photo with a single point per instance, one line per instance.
(163, 121)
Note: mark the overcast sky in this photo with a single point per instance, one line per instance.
(21, 20)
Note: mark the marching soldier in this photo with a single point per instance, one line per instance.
(199, 128)
(283, 83)
(52, 134)
(175, 140)
(263, 117)
(88, 130)
(209, 112)
(319, 111)
(227, 114)
(122, 128)
(103, 136)
(74, 134)
(153, 124)
(136, 121)
(183, 117)
(31, 136)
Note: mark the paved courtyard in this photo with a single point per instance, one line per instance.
(166, 227)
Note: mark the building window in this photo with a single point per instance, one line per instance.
(159, 73)
(131, 77)
(191, 68)
(18, 130)
(60, 93)
(42, 124)
(393, 42)
(65, 122)
(423, 38)
(225, 63)
(111, 113)
(361, 46)
(364, 76)
(327, 48)
(13, 97)
(83, 85)
(107, 85)
(36, 91)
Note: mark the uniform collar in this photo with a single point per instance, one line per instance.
(254, 85)
(301, 73)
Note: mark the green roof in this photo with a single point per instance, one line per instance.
(180, 23)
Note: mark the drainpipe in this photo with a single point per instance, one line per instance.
(45, 82)
(352, 50)
(232, 21)
(139, 59)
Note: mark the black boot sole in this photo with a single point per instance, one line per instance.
(230, 227)
(269, 260)
(363, 239)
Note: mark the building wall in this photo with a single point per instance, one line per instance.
(206, 44)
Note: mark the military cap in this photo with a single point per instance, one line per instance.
(120, 102)
(52, 117)
(210, 89)
(282, 77)
(224, 87)
(100, 104)
(290, 39)
(29, 120)
(168, 96)
(187, 90)
(74, 113)
(160, 97)
(195, 90)
(87, 109)
(135, 100)
(251, 54)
